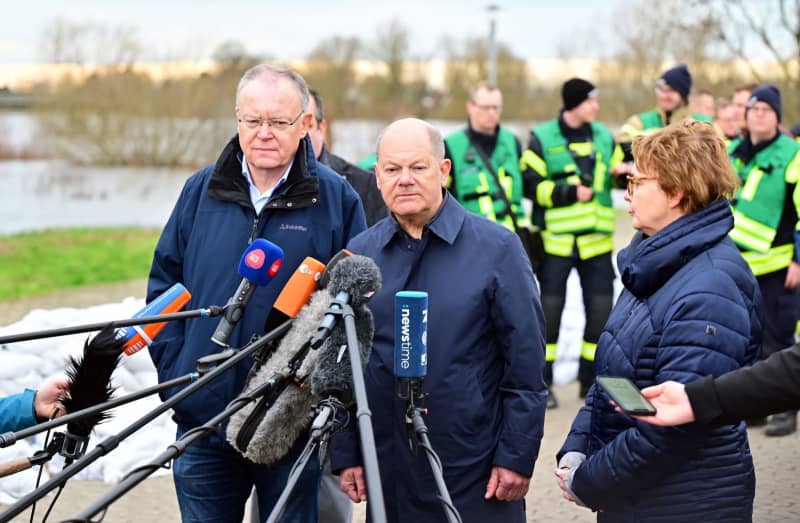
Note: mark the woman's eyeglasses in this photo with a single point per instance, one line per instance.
(634, 181)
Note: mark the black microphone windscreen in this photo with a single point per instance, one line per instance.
(333, 375)
(90, 379)
(279, 426)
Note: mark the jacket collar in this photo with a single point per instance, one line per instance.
(324, 156)
(676, 116)
(445, 224)
(301, 187)
(649, 262)
(747, 150)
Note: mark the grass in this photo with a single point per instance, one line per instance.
(40, 262)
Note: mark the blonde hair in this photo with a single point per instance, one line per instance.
(687, 157)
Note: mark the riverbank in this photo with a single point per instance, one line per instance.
(75, 297)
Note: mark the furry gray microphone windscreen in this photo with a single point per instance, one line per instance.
(289, 416)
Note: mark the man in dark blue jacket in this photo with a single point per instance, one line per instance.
(362, 181)
(486, 394)
(266, 183)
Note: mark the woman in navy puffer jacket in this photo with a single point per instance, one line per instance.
(690, 308)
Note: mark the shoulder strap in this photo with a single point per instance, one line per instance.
(489, 167)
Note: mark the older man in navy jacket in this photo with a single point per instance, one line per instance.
(486, 394)
(266, 183)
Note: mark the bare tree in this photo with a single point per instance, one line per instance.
(652, 36)
(751, 30)
(467, 64)
(331, 70)
(118, 116)
(386, 93)
(85, 43)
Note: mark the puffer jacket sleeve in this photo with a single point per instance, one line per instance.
(705, 331)
(578, 437)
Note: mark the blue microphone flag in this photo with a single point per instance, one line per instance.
(260, 262)
(410, 334)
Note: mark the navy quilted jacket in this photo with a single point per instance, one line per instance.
(690, 308)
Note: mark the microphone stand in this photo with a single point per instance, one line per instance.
(415, 422)
(231, 358)
(42, 456)
(325, 423)
(214, 310)
(369, 454)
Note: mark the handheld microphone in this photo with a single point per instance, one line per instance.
(410, 342)
(260, 262)
(357, 279)
(138, 337)
(296, 293)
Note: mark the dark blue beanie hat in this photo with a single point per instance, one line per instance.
(768, 94)
(679, 79)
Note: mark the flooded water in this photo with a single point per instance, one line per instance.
(42, 194)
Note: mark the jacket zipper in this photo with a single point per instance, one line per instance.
(254, 230)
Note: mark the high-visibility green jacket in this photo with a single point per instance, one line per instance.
(769, 178)
(586, 224)
(649, 121)
(653, 119)
(475, 187)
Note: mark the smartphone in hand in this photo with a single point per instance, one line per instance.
(626, 395)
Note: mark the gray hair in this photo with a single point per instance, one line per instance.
(434, 135)
(275, 71)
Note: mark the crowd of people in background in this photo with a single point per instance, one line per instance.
(709, 286)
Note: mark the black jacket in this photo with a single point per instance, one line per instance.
(362, 181)
(768, 387)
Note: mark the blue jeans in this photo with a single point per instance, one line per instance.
(213, 482)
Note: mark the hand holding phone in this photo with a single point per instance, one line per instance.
(626, 395)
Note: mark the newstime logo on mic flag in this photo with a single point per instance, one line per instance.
(411, 334)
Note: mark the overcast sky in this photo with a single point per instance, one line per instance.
(289, 29)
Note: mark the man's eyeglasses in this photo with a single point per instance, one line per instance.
(487, 108)
(275, 124)
(664, 88)
(634, 181)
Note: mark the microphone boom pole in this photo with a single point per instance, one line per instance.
(113, 441)
(214, 310)
(9, 438)
(178, 447)
(324, 425)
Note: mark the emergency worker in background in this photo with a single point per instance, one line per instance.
(567, 167)
(766, 222)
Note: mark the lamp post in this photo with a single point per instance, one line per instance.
(492, 9)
